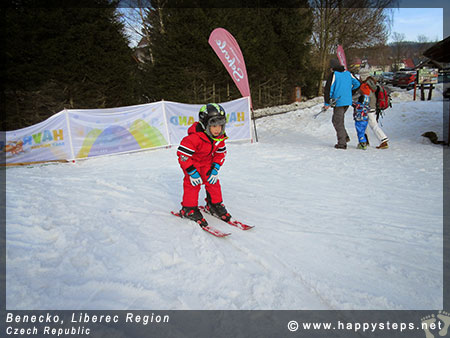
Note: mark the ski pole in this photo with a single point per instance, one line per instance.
(332, 104)
(322, 111)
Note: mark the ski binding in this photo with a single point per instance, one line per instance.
(208, 228)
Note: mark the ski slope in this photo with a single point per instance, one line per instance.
(335, 229)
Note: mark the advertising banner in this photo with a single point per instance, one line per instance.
(428, 76)
(181, 116)
(228, 51)
(42, 142)
(341, 56)
(84, 133)
(99, 132)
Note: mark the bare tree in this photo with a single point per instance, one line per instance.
(132, 18)
(322, 35)
(135, 18)
(350, 23)
(422, 38)
(399, 48)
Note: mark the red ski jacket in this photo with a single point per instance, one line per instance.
(198, 150)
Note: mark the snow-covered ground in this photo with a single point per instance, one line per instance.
(335, 229)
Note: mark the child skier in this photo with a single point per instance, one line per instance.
(369, 87)
(361, 117)
(201, 154)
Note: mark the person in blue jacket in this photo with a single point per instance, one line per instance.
(339, 86)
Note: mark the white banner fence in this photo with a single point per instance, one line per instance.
(83, 133)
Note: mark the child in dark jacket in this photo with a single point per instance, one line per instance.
(201, 154)
(361, 117)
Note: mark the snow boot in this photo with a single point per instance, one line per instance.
(362, 145)
(218, 210)
(383, 145)
(340, 146)
(193, 213)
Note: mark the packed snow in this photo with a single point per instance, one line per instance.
(334, 229)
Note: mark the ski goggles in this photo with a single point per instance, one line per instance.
(217, 121)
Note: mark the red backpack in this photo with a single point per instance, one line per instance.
(383, 100)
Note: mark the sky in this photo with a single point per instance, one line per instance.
(413, 22)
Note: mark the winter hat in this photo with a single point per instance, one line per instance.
(372, 83)
(334, 63)
(364, 88)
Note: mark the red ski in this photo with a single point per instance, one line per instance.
(208, 228)
(232, 221)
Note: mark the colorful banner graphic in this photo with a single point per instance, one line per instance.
(228, 51)
(99, 132)
(77, 134)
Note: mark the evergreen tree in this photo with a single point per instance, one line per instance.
(69, 57)
(274, 43)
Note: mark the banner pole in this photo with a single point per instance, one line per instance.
(254, 126)
(252, 116)
(66, 112)
(169, 143)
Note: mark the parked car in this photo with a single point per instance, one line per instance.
(407, 80)
(396, 77)
(385, 77)
(446, 93)
(444, 76)
(401, 73)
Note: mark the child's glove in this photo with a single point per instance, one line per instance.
(213, 173)
(194, 176)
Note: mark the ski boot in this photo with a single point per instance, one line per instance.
(362, 145)
(193, 213)
(340, 146)
(218, 210)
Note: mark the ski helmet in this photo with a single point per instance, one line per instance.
(212, 114)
